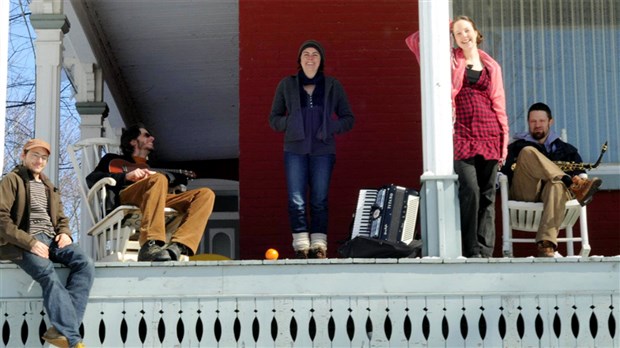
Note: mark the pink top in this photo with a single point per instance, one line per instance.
(496, 87)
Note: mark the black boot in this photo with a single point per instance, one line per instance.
(151, 251)
(175, 250)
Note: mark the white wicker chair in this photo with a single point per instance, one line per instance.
(525, 216)
(115, 237)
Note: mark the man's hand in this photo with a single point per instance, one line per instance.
(138, 174)
(40, 249)
(63, 240)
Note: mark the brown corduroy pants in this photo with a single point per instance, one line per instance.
(151, 195)
(538, 179)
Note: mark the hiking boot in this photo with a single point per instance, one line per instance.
(301, 254)
(151, 251)
(176, 250)
(55, 338)
(80, 345)
(545, 248)
(584, 189)
(317, 253)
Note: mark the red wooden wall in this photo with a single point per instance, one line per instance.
(364, 49)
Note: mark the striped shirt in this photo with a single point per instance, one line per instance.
(40, 221)
(476, 129)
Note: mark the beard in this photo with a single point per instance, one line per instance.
(146, 146)
(539, 135)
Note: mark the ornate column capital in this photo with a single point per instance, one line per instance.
(92, 108)
(50, 21)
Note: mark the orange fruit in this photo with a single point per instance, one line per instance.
(271, 254)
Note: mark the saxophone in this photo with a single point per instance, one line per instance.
(572, 166)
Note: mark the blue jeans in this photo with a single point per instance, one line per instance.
(65, 305)
(308, 173)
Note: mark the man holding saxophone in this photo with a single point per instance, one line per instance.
(534, 175)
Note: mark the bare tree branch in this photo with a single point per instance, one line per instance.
(20, 110)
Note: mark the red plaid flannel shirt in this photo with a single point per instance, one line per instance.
(476, 128)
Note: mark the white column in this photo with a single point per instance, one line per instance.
(88, 80)
(88, 83)
(4, 51)
(50, 29)
(441, 230)
(92, 115)
(111, 132)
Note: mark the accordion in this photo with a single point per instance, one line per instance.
(387, 213)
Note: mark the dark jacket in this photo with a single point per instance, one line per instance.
(15, 213)
(555, 149)
(286, 115)
(103, 171)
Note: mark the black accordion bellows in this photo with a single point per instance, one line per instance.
(384, 223)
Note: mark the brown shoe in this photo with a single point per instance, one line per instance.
(545, 248)
(318, 253)
(584, 189)
(55, 338)
(301, 254)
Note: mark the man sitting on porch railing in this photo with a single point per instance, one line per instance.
(34, 233)
(535, 177)
(140, 186)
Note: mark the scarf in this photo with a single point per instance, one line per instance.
(319, 88)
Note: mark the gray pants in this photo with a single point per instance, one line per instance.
(537, 179)
(477, 202)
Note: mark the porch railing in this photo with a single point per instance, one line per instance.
(335, 303)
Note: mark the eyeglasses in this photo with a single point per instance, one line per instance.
(44, 158)
(147, 135)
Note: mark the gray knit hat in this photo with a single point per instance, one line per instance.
(315, 44)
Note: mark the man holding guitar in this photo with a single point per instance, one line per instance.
(138, 184)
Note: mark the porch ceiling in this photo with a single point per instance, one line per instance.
(172, 65)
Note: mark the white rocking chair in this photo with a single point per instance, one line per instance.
(525, 216)
(115, 237)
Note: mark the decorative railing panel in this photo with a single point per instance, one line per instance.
(372, 305)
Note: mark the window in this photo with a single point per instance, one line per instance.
(562, 53)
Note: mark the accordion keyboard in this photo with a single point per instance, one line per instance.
(361, 222)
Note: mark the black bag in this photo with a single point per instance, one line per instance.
(366, 247)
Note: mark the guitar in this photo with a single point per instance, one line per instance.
(119, 165)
